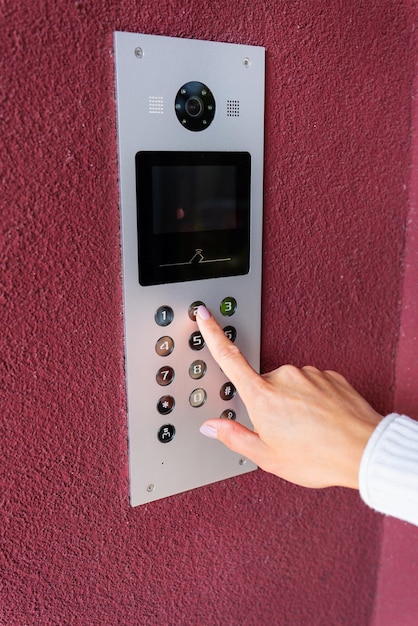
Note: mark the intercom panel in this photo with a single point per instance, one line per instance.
(190, 131)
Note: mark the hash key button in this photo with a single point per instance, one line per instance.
(227, 391)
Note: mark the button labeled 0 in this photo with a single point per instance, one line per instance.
(197, 397)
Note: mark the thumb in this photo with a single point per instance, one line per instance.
(235, 436)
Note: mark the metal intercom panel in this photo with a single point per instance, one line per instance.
(190, 130)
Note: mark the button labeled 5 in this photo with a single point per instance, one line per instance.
(196, 341)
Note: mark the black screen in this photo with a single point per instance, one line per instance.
(193, 215)
(193, 198)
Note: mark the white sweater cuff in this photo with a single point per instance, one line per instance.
(388, 475)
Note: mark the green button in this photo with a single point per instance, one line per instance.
(228, 306)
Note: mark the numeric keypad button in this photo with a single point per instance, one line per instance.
(229, 414)
(197, 369)
(228, 306)
(230, 332)
(193, 309)
(227, 391)
(197, 397)
(196, 341)
(165, 376)
(164, 315)
(164, 346)
(165, 405)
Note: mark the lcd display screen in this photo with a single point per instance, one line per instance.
(193, 215)
(190, 198)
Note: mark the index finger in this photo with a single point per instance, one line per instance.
(228, 356)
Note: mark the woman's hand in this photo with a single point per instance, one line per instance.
(310, 427)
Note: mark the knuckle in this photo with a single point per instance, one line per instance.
(331, 374)
(289, 374)
(310, 369)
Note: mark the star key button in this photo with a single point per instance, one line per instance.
(165, 405)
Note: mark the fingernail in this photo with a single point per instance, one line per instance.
(208, 431)
(203, 312)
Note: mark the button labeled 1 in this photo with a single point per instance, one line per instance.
(164, 315)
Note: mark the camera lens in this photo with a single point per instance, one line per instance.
(194, 107)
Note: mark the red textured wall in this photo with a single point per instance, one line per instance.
(397, 598)
(252, 550)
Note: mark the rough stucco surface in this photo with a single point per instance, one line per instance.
(252, 550)
(398, 573)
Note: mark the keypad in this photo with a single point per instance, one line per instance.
(197, 369)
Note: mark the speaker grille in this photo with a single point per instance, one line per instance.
(232, 108)
(156, 105)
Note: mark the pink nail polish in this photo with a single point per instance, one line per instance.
(203, 312)
(208, 431)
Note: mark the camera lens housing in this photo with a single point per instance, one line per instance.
(195, 106)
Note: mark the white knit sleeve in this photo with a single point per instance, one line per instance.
(388, 476)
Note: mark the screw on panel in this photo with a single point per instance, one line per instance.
(139, 53)
(246, 62)
(242, 461)
(150, 488)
